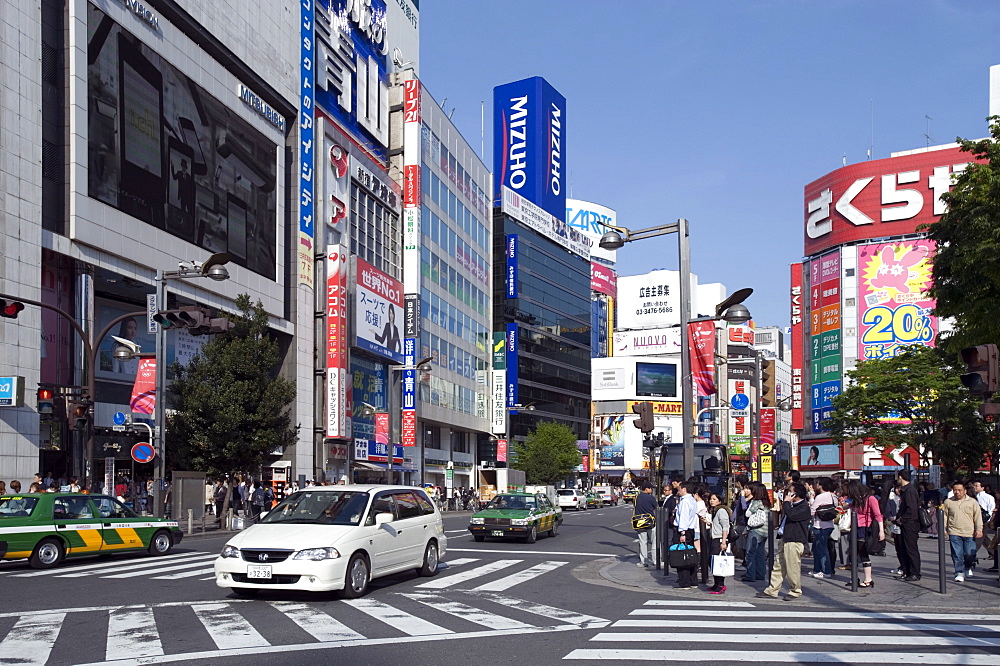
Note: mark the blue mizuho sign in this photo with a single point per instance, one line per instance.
(529, 143)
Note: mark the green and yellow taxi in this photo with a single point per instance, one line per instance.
(594, 500)
(516, 515)
(45, 528)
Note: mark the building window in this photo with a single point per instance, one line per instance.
(374, 232)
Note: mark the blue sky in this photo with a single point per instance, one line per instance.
(720, 112)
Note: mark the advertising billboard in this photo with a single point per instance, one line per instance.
(511, 346)
(511, 268)
(352, 69)
(307, 209)
(879, 198)
(529, 146)
(649, 301)
(894, 310)
(647, 342)
(591, 220)
(369, 385)
(603, 279)
(378, 301)
(540, 220)
(819, 455)
(165, 151)
(338, 393)
(825, 335)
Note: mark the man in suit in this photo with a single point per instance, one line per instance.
(908, 519)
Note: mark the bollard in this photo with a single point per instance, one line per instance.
(770, 544)
(666, 539)
(658, 529)
(229, 519)
(942, 565)
(852, 540)
(190, 522)
(706, 552)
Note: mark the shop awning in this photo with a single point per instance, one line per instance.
(395, 468)
(366, 465)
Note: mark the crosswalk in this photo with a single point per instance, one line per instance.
(159, 633)
(199, 565)
(740, 631)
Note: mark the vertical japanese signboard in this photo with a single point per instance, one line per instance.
(338, 392)
(306, 235)
(825, 330)
(894, 310)
(798, 346)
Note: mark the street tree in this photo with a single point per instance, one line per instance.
(915, 398)
(548, 454)
(230, 405)
(966, 268)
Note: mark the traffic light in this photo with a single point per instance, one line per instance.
(645, 420)
(78, 413)
(219, 325)
(983, 377)
(195, 319)
(10, 309)
(46, 401)
(767, 394)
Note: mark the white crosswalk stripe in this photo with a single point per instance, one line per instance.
(469, 574)
(96, 567)
(466, 612)
(186, 574)
(524, 576)
(227, 627)
(132, 633)
(795, 636)
(31, 639)
(321, 626)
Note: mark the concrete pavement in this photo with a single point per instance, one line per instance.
(981, 591)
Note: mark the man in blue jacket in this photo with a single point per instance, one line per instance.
(645, 502)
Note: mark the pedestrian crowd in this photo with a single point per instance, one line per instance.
(814, 518)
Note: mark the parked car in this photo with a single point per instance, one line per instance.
(335, 538)
(571, 498)
(522, 515)
(48, 527)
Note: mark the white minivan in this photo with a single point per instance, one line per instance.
(335, 538)
(571, 498)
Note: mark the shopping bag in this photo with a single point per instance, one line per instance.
(723, 565)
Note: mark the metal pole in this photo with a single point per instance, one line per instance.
(853, 540)
(159, 407)
(755, 441)
(770, 542)
(942, 570)
(687, 388)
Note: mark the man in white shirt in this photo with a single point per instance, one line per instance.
(989, 506)
(685, 522)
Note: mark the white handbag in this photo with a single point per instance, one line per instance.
(724, 565)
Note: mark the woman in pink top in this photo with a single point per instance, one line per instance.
(869, 518)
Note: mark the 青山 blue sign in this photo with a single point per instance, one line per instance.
(529, 143)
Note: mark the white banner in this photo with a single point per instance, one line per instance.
(498, 404)
(536, 218)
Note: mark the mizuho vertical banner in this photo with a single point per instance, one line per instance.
(307, 80)
(511, 274)
(511, 346)
(701, 347)
(338, 396)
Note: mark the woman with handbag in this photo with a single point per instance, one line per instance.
(824, 511)
(758, 514)
(871, 531)
(720, 543)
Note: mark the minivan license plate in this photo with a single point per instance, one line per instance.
(497, 532)
(259, 571)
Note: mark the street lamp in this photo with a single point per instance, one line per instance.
(214, 268)
(613, 240)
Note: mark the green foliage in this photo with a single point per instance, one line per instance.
(231, 407)
(929, 408)
(967, 266)
(548, 455)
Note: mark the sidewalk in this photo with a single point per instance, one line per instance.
(982, 591)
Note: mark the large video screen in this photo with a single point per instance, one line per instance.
(656, 380)
(163, 150)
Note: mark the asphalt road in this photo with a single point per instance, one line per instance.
(496, 602)
(500, 599)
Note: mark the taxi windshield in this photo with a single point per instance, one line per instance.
(16, 506)
(320, 508)
(511, 502)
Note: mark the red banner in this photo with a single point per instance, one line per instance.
(144, 391)
(701, 349)
(768, 416)
(382, 428)
(409, 427)
(501, 450)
